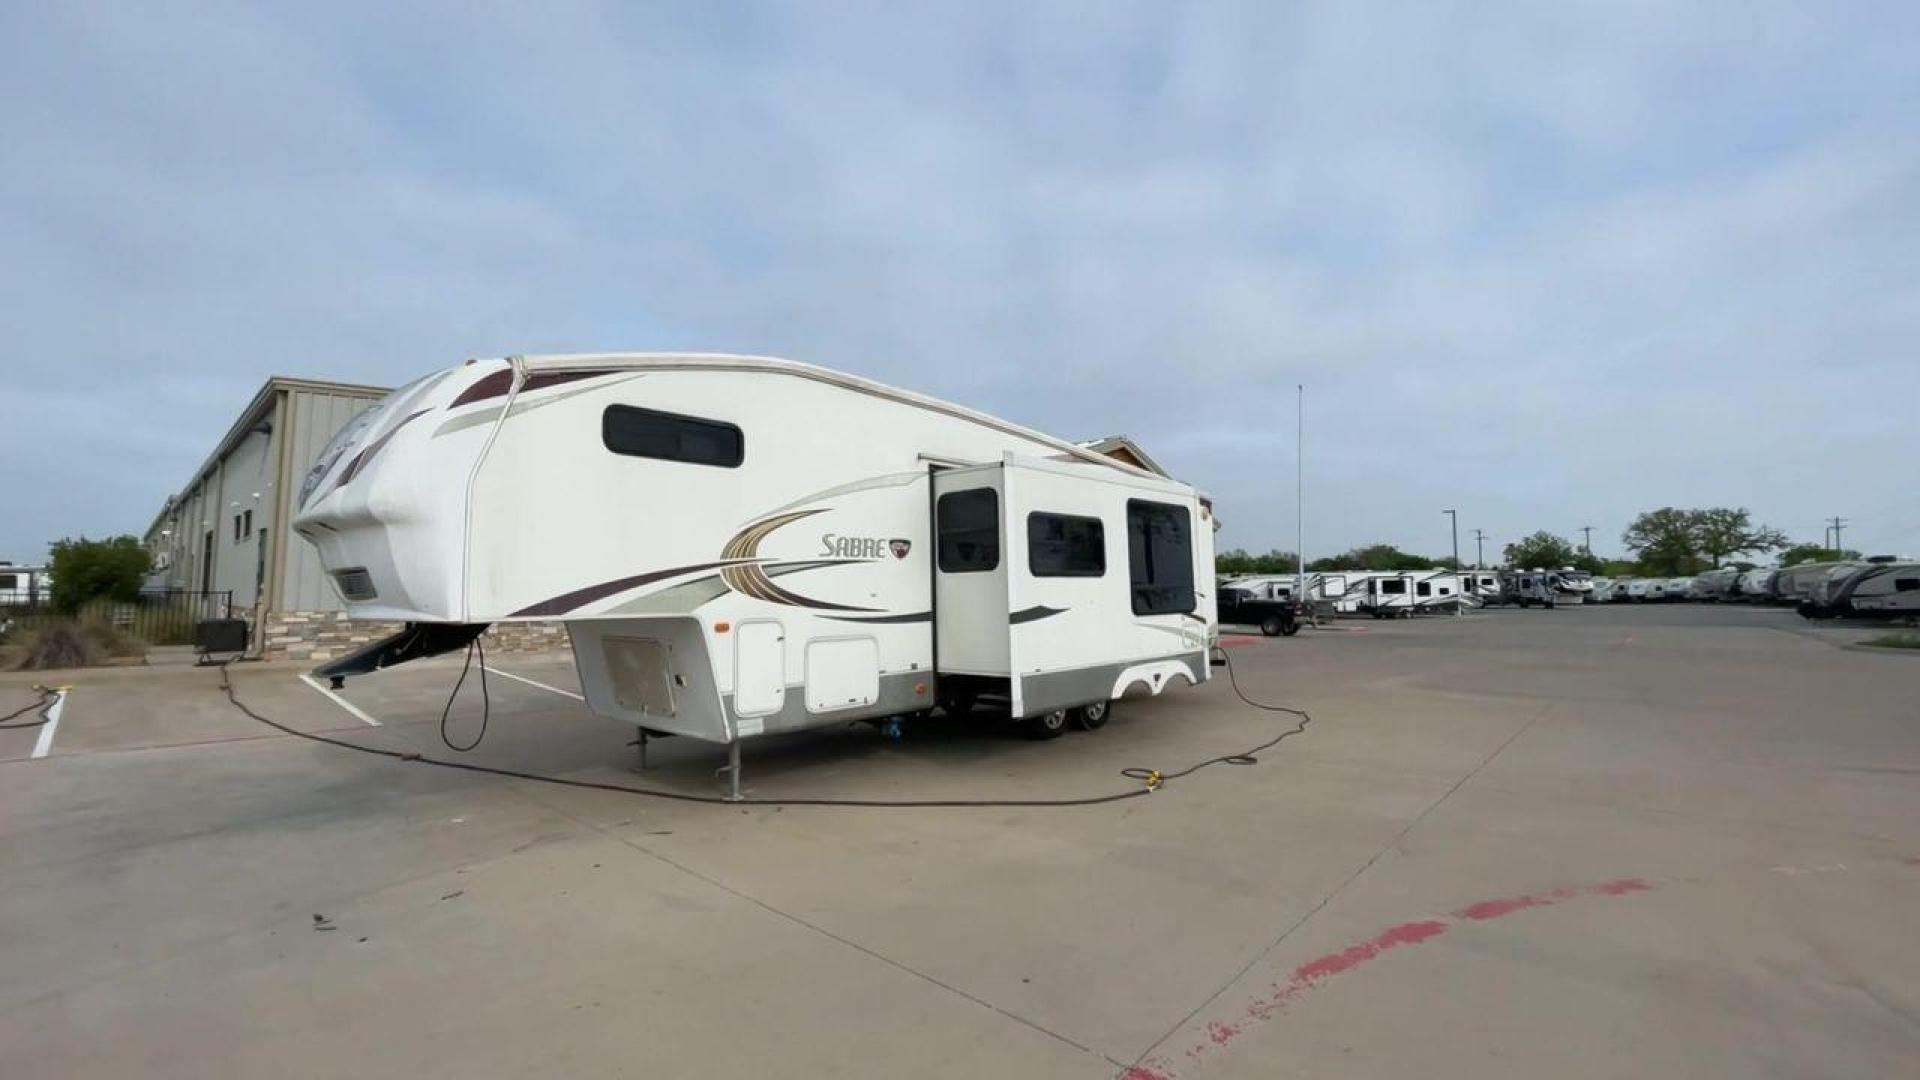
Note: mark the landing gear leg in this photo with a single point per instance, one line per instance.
(733, 771)
(642, 743)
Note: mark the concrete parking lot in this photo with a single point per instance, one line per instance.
(1597, 842)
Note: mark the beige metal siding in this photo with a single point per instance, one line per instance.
(245, 482)
(316, 417)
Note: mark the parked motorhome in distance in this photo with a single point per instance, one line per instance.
(1714, 585)
(1795, 583)
(1481, 585)
(20, 584)
(1577, 582)
(1641, 590)
(741, 545)
(1539, 588)
(1876, 589)
(1602, 591)
(1756, 585)
(1679, 589)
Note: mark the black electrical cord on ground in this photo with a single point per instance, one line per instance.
(1152, 779)
(45, 705)
(486, 704)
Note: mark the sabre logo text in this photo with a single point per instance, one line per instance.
(862, 547)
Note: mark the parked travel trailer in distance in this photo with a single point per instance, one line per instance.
(741, 546)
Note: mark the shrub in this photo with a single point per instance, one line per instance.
(67, 643)
(86, 570)
(1896, 641)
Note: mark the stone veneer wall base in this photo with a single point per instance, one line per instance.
(329, 635)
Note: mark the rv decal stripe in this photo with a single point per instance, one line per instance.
(912, 617)
(566, 602)
(751, 580)
(498, 383)
(366, 453)
(1034, 614)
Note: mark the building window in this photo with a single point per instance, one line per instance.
(637, 432)
(1160, 557)
(246, 525)
(236, 528)
(969, 527)
(1062, 545)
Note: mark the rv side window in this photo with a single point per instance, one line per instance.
(669, 437)
(1062, 545)
(969, 526)
(9, 581)
(1160, 558)
(1906, 584)
(1393, 585)
(1425, 588)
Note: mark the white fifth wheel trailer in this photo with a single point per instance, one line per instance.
(741, 546)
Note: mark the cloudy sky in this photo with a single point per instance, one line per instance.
(1547, 265)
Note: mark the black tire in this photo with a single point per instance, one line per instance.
(1092, 716)
(1292, 628)
(1273, 626)
(958, 703)
(1048, 725)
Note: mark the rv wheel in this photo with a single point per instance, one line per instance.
(1092, 717)
(1273, 626)
(1047, 725)
(958, 702)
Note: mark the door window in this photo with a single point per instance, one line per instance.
(969, 531)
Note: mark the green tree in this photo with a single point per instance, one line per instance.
(1804, 553)
(1722, 531)
(1664, 541)
(1543, 550)
(1237, 561)
(84, 570)
(1373, 557)
(1676, 542)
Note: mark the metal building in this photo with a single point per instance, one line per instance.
(229, 526)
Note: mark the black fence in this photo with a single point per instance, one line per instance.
(155, 616)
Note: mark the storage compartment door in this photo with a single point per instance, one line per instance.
(759, 668)
(842, 673)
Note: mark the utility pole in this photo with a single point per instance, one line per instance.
(1300, 494)
(1479, 555)
(1454, 515)
(1588, 529)
(1837, 524)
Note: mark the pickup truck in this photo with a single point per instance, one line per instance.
(1242, 607)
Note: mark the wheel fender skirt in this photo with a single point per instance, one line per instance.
(414, 641)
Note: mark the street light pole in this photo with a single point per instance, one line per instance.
(1479, 555)
(1454, 516)
(1588, 529)
(1300, 494)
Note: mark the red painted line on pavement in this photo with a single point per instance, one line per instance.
(1314, 973)
(1234, 641)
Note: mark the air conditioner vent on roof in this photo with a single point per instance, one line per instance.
(355, 583)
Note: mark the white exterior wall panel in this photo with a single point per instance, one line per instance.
(315, 418)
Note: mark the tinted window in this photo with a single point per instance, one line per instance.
(1426, 589)
(969, 527)
(669, 437)
(1906, 584)
(1060, 545)
(8, 581)
(1160, 558)
(1393, 585)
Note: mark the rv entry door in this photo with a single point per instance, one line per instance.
(970, 571)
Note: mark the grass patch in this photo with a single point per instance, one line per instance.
(1907, 640)
(67, 643)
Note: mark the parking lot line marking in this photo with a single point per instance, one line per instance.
(533, 682)
(44, 743)
(351, 708)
